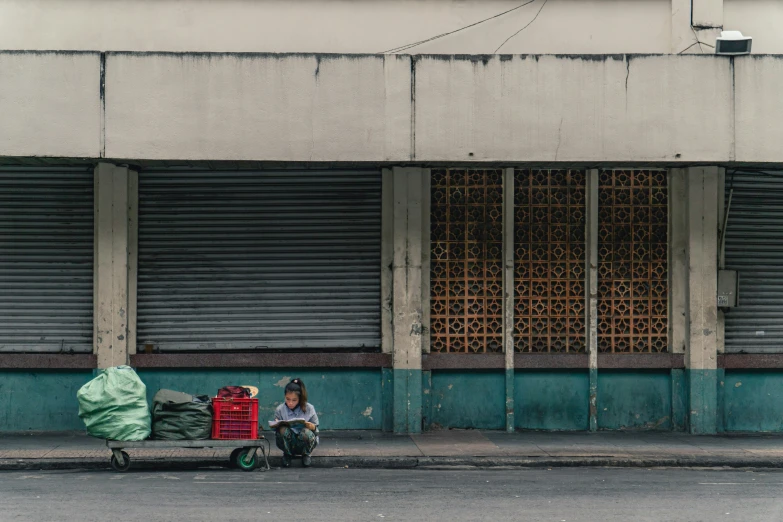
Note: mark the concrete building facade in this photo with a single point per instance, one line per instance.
(446, 234)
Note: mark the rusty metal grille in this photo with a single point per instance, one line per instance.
(633, 261)
(549, 260)
(466, 277)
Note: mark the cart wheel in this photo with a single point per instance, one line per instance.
(240, 460)
(232, 461)
(116, 465)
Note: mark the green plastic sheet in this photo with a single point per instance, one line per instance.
(114, 405)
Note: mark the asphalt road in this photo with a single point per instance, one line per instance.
(560, 494)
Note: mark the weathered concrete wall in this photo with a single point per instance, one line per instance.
(761, 19)
(335, 26)
(50, 104)
(759, 108)
(280, 108)
(573, 108)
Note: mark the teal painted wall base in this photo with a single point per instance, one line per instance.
(345, 399)
(703, 394)
(679, 400)
(635, 400)
(41, 400)
(387, 392)
(551, 400)
(407, 401)
(510, 410)
(734, 400)
(426, 400)
(469, 399)
(753, 400)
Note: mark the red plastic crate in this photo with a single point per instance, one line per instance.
(234, 418)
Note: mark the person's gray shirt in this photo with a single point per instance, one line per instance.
(283, 412)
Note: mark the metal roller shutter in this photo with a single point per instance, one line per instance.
(46, 260)
(754, 247)
(259, 260)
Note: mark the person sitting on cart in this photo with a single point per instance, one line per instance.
(296, 438)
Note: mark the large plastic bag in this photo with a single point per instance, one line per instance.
(181, 416)
(114, 405)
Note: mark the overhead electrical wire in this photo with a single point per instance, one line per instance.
(420, 42)
(525, 27)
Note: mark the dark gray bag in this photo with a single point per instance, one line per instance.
(181, 416)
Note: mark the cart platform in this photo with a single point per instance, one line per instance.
(244, 457)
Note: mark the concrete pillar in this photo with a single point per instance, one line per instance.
(407, 302)
(678, 289)
(116, 208)
(591, 297)
(702, 351)
(387, 259)
(508, 293)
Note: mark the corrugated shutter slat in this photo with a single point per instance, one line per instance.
(259, 259)
(754, 247)
(46, 260)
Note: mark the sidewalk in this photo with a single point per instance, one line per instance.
(447, 448)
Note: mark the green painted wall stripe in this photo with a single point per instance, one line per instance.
(510, 423)
(592, 401)
(721, 401)
(407, 401)
(679, 400)
(703, 393)
(426, 399)
(387, 385)
(414, 401)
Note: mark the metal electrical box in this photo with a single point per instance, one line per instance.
(728, 288)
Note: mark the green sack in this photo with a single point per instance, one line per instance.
(114, 405)
(181, 416)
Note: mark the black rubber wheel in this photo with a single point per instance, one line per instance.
(240, 460)
(116, 465)
(232, 461)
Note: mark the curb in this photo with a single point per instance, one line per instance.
(430, 463)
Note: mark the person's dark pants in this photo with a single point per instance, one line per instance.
(292, 443)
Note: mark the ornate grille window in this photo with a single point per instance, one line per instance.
(466, 277)
(549, 257)
(633, 261)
